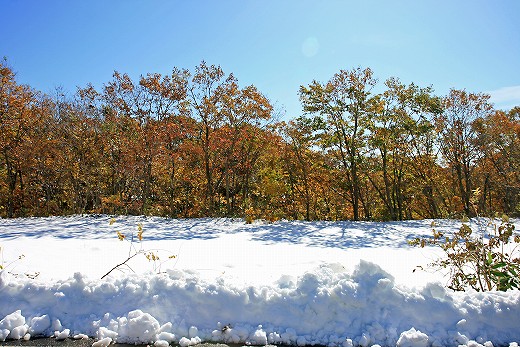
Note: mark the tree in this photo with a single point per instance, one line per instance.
(203, 97)
(457, 139)
(227, 118)
(167, 126)
(17, 116)
(195, 145)
(245, 112)
(302, 164)
(45, 174)
(144, 116)
(498, 137)
(343, 101)
(398, 127)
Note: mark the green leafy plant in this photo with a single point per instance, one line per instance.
(488, 259)
(136, 248)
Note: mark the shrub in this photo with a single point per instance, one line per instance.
(11, 265)
(488, 259)
(136, 248)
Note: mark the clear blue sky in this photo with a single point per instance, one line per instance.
(276, 45)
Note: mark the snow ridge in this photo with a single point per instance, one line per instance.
(325, 306)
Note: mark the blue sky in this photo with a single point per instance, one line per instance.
(277, 45)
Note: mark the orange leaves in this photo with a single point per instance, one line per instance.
(193, 145)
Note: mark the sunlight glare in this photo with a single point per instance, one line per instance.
(310, 46)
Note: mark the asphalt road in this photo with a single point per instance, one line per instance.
(44, 342)
(49, 342)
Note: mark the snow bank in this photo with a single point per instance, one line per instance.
(326, 306)
(340, 284)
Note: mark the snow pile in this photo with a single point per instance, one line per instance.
(325, 306)
(330, 303)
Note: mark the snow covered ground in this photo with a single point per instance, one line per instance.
(300, 283)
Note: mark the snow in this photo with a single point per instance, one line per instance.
(337, 284)
(412, 338)
(61, 335)
(102, 342)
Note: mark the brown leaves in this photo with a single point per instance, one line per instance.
(481, 261)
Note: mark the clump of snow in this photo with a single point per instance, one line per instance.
(138, 327)
(12, 320)
(287, 283)
(259, 337)
(13, 326)
(185, 342)
(412, 338)
(80, 337)
(19, 332)
(39, 325)
(62, 335)
(3, 334)
(104, 342)
(104, 332)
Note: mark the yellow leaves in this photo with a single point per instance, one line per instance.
(140, 231)
(120, 236)
(151, 256)
(437, 234)
(415, 242)
(475, 197)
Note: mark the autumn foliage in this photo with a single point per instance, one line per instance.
(197, 144)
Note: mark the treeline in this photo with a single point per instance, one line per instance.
(197, 144)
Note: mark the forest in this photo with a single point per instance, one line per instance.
(197, 144)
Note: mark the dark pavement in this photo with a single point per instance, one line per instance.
(44, 342)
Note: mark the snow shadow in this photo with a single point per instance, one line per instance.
(59, 227)
(347, 234)
(106, 227)
(344, 234)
